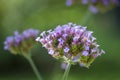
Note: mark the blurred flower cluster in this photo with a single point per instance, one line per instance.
(71, 43)
(21, 43)
(96, 6)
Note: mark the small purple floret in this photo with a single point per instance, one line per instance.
(66, 49)
(85, 53)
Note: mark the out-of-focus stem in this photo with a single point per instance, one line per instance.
(28, 57)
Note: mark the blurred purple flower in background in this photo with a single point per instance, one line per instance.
(69, 2)
(64, 65)
(84, 1)
(93, 9)
(20, 42)
(78, 46)
(96, 6)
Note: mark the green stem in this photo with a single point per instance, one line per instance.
(65, 76)
(87, 16)
(28, 57)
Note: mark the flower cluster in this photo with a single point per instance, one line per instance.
(72, 43)
(21, 42)
(96, 6)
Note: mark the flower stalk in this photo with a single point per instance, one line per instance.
(65, 76)
(28, 57)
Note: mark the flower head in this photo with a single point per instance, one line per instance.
(21, 42)
(96, 6)
(72, 43)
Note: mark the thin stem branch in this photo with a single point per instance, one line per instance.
(65, 76)
(28, 57)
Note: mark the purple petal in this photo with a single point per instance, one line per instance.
(85, 53)
(66, 49)
(51, 52)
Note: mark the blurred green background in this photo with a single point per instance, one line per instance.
(47, 14)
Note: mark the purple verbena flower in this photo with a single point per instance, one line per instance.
(74, 44)
(21, 42)
(96, 6)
